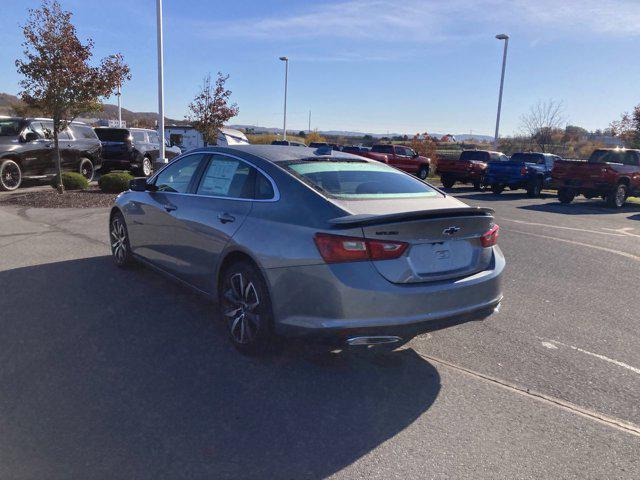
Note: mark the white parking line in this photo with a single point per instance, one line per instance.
(624, 231)
(596, 355)
(618, 234)
(582, 244)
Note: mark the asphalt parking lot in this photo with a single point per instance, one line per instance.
(122, 374)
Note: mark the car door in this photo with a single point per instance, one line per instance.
(151, 216)
(411, 161)
(209, 219)
(68, 158)
(153, 145)
(38, 154)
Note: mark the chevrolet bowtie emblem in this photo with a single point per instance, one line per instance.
(450, 231)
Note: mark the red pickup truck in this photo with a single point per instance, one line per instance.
(613, 174)
(471, 167)
(405, 159)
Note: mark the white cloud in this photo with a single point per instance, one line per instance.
(437, 20)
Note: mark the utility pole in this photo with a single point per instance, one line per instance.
(161, 158)
(309, 121)
(119, 107)
(505, 37)
(286, 80)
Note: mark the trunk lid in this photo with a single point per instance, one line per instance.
(575, 171)
(443, 242)
(508, 169)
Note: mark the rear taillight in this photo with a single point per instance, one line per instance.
(490, 238)
(338, 249)
(523, 171)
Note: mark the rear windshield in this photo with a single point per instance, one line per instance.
(474, 155)
(614, 156)
(527, 157)
(351, 149)
(382, 148)
(356, 180)
(9, 127)
(112, 134)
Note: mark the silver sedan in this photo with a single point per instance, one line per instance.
(293, 241)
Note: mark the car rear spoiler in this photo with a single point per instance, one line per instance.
(372, 219)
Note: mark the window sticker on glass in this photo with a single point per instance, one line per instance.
(218, 178)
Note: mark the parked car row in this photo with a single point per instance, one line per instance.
(27, 150)
(612, 174)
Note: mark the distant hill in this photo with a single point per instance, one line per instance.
(110, 112)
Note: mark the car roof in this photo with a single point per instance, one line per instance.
(281, 153)
(32, 119)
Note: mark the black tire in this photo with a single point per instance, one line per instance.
(119, 241)
(513, 188)
(477, 185)
(497, 188)
(565, 195)
(245, 307)
(534, 189)
(87, 169)
(447, 182)
(616, 198)
(423, 173)
(10, 175)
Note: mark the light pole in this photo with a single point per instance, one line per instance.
(286, 79)
(161, 158)
(505, 37)
(119, 107)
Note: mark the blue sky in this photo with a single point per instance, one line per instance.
(376, 65)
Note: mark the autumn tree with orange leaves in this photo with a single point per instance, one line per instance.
(424, 145)
(57, 77)
(210, 109)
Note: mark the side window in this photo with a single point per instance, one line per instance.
(264, 189)
(138, 136)
(177, 176)
(409, 152)
(227, 177)
(48, 132)
(153, 138)
(36, 127)
(82, 132)
(630, 158)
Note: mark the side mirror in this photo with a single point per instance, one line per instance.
(141, 185)
(30, 137)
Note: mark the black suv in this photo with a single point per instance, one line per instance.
(26, 150)
(134, 149)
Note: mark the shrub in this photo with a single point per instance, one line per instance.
(71, 181)
(115, 182)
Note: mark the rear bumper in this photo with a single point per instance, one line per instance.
(343, 300)
(465, 176)
(583, 185)
(519, 182)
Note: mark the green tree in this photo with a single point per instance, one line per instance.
(57, 77)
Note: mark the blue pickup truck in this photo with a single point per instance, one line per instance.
(528, 170)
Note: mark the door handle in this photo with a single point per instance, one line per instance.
(226, 218)
(170, 208)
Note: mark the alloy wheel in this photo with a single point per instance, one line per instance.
(146, 167)
(10, 176)
(119, 241)
(86, 169)
(241, 302)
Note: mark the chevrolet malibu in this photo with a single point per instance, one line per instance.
(293, 241)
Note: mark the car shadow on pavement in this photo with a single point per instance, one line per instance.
(587, 207)
(489, 196)
(112, 373)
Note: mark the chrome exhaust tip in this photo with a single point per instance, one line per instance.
(373, 340)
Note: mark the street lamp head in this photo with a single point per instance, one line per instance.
(284, 59)
(502, 36)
